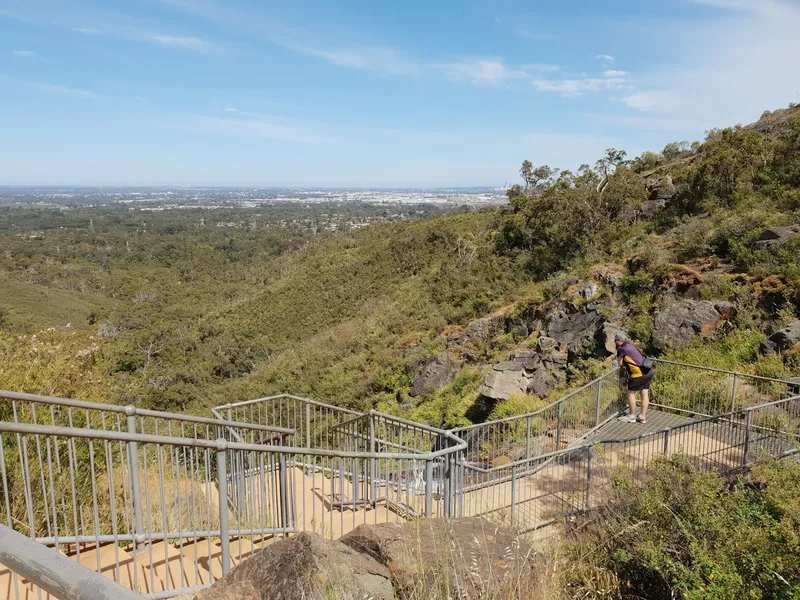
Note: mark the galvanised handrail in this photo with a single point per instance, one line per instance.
(130, 410)
(725, 371)
(538, 411)
(56, 574)
(216, 409)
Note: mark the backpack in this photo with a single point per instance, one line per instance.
(647, 365)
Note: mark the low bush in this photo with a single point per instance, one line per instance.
(690, 535)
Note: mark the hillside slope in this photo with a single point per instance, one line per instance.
(188, 317)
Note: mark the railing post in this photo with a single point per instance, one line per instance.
(588, 476)
(448, 486)
(558, 429)
(733, 397)
(308, 424)
(373, 485)
(284, 488)
(513, 493)
(133, 469)
(528, 438)
(429, 488)
(597, 408)
(222, 488)
(748, 422)
(666, 442)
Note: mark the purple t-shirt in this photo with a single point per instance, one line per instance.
(631, 358)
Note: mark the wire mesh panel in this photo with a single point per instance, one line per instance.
(312, 421)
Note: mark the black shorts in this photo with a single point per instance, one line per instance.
(640, 383)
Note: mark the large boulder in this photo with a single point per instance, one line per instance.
(504, 380)
(573, 328)
(679, 324)
(783, 339)
(305, 566)
(486, 328)
(527, 372)
(775, 236)
(608, 335)
(438, 372)
(467, 558)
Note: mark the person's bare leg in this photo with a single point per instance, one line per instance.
(645, 402)
(632, 403)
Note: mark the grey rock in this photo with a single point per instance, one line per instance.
(306, 566)
(588, 291)
(768, 347)
(542, 381)
(679, 324)
(501, 384)
(467, 558)
(652, 206)
(486, 328)
(785, 338)
(546, 344)
(529, 359)
(438, 372)
(662, 189)
(775, 236)
(608, 336)
(613, 279)
(573, 328)
(520, 331)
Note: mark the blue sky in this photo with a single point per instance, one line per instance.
(413, 93)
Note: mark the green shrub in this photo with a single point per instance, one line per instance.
(685, 534)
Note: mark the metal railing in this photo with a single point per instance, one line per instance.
(164, 514)
(163, 503)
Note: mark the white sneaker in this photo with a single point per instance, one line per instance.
(626, 418)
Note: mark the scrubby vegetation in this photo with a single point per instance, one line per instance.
(169, 310)
(690, 535)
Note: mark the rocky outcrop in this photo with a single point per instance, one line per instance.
(305, 566)
(467, 558)
(438, 559)
(608, 336)
(574, 328)
(662, 190)
(775, 236)
(679, 324)
(783, 339)
(526, 372)
(588, 290)
(438, 372)
(486, 328)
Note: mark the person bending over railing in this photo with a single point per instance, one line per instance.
(640, 374)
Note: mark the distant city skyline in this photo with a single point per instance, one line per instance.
(380, 95)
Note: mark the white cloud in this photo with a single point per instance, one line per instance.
(655, 101)
(488, 72)
(26, 54)
(540, 68)
(536, 36)
(614, 73)
(578, 87)
(270, 129)
(87, 30)
(231, 109)
(727, 69)
(380, 60)
(186, 42)
(754, 6)
(52, 88)
(605, 57)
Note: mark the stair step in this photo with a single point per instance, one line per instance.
(173, 565)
